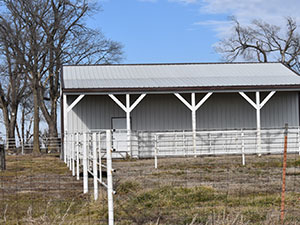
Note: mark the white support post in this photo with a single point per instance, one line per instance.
(85, 166)
(258, 127)
(155, 151)
(127, 110)
(258, 106)
(65, 126)
(73, 154)
(128, 124)
(95, 169)
(77, 157)
(193, 98)
(243, 148)
(100, 158)
(109, 178)
(194, 107)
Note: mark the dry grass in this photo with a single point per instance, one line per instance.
(206, 190)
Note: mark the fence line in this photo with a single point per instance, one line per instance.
(47, 144)
(87, 151)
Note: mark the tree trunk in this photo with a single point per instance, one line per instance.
(53, 144)
(10, 125)
(2, 158)
(36, 121)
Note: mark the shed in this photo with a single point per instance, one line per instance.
(179, 96)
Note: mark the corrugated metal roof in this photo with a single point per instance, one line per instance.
(178, 75)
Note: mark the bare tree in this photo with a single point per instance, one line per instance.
(69, 40)
(44, 35)
(263, 42)
(12, 89)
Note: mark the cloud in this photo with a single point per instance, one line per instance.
(271, 11)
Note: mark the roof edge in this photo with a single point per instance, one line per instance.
(172, 89)
(166, 64)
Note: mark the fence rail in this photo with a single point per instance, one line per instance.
(145, 144)
(87, 150)
(47, 144)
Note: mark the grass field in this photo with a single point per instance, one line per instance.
(204, 190)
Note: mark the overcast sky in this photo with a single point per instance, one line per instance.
(181, 30)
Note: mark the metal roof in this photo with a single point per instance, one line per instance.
(155, 76)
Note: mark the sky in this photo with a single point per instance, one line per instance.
(166, 31)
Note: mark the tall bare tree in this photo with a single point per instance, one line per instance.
(44, 35)
(13, 85)
(263, 42)
(69, 40)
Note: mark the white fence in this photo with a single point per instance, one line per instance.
(47, 144)
(88, 150)
(145, 144)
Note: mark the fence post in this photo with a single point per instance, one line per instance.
(73, 154)
(65, 147)
(70, 151)
(85, 167)
(22, 146)
(2, 158)
(155, 151)
(299, 140)
(282, 211)
(100, 158)
(95, 169)
(109, 178)
(77, 157)
(243, 149)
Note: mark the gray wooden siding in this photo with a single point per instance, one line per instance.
(166, 112)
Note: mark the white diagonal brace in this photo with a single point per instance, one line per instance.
(203, 100)
(70, 107)
(248, 99)
(116, 100)
(267, 99)
(137, 102)
(184, 101)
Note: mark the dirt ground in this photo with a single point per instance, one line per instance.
(202, 190)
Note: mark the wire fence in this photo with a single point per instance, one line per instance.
(231, 180)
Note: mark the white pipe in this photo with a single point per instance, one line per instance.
(73, 154)
(85, 167)
(95, 169)
(109, 178)
(100, 157)
(243, 149)
(77, 158)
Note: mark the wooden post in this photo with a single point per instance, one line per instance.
(2, 158)
(283, 175)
